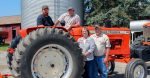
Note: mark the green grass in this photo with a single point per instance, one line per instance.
(4, 47)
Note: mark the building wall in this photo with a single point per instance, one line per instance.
(9, 29)
(32, 8)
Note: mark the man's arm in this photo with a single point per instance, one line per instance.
(106, 55)
(108, 45)
(59, 19)
(56, 23)
(51, 21)
(77, 22)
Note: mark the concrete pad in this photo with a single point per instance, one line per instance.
(118, 73)
(3, 64)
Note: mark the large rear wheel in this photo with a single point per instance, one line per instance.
(11, 48)
(48, 53)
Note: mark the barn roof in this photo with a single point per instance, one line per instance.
(10, 20)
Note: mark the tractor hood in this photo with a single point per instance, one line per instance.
(137, 26)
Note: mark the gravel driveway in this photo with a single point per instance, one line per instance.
(119, 68)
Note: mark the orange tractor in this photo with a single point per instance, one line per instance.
(52, 52)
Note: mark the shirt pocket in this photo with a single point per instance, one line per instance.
(101, 42)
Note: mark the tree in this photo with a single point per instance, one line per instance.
(119, 12)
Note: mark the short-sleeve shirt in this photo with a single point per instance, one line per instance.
(69, 20)
(44, 20)
(87, 45)
(102, 42)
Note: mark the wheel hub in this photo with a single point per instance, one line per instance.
(50, 62)
(139, 72)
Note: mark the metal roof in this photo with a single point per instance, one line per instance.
(10, 20)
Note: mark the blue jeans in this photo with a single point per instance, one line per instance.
(90, 68)
(101, 66)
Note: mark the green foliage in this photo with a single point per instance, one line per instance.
(119, 12)
(4, 47)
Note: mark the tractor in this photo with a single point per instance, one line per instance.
(52, 52)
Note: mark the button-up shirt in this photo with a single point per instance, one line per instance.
(69, 20)
(102, 42)
(87, 45)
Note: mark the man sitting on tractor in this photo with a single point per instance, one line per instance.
(44, 19)
(70, 18)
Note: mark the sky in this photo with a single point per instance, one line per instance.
(10, 7)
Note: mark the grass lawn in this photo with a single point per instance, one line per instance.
(4, 47)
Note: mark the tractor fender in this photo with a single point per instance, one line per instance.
(24, 32)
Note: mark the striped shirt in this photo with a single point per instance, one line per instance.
(69, 20)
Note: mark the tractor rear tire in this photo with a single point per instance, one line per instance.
(13, 45)
(48, 53)
(136, 68)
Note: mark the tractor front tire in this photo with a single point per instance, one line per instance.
(136, 68)
(48, 53)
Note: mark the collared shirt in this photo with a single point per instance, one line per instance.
(44, 20)
(69, 20)
(87, 45)
(102, 42)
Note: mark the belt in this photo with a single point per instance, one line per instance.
(100, 56)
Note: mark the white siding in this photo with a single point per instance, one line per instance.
(32, 8)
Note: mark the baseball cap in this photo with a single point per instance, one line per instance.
(45, 7)
(70, 8)
(96, 27)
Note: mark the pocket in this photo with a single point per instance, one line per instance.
(102, 42)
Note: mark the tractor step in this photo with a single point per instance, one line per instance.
(148, 63)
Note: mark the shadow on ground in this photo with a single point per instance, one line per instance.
(116, 75)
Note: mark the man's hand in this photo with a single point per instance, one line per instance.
(69, 28)
(106, 57)
(40, 26)
(106, 61)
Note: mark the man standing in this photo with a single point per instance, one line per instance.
(101, 52)
(70, 18)
(44, 19)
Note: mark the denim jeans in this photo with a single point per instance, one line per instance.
(90, 68)
(101, 66)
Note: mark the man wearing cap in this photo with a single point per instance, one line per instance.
(44, 19)
(101, 52)
(70, 18)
